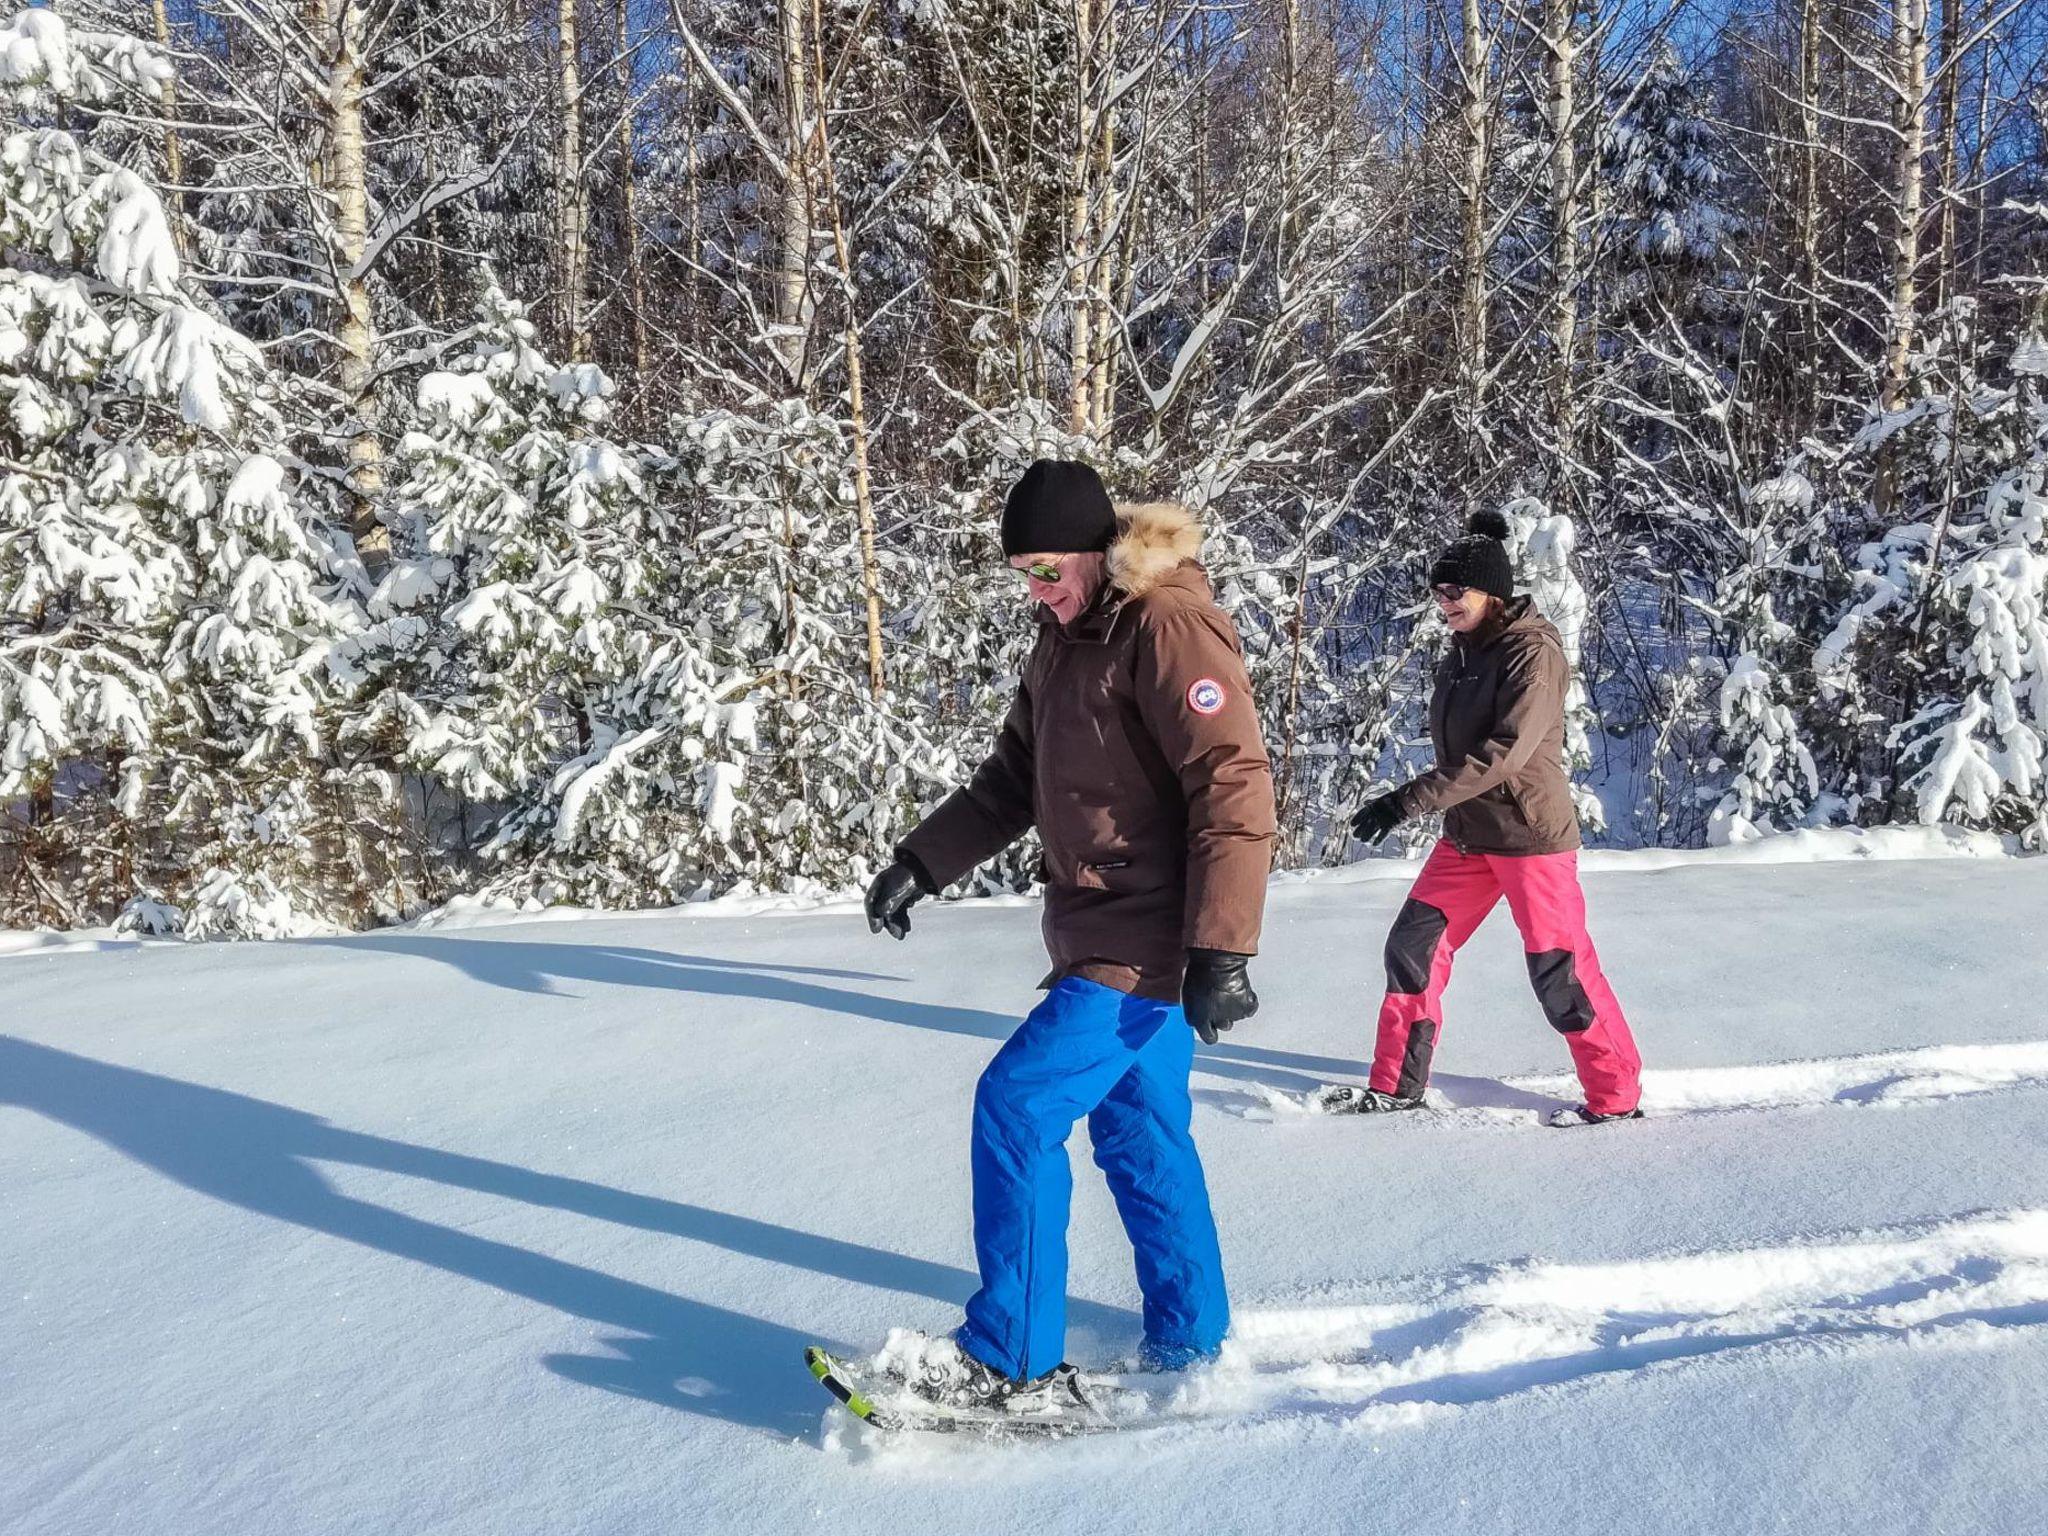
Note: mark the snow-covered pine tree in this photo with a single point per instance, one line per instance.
(648, 670)
(1772, 780)
(1977, 750)
(1660, 151)
(160, 584)
(1887, 670)
(820, 778)
(1540, 542)
(524, 543)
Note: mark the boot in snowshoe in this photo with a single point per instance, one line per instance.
(1580, 1115)
(944, 1374)
(1347, 1099)
(918, 1382)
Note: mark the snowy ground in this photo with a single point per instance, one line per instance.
(521, 1228)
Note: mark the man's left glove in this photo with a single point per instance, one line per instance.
(893, 892)
(1217, 993)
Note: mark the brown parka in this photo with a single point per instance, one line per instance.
(1496, 717)
(1133, 747)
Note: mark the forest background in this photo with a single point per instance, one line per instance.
(549, 449)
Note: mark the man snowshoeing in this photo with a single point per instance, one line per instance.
(1133, 747)
(1496, 718)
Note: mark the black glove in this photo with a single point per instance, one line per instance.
(1377, 817)
(1217, 993)
(892, 893)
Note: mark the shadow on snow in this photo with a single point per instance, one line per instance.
(531, 966)
(671, 1350)
(685, 1354)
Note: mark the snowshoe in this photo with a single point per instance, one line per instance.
(925, 1383)
(1580, 1115)
(1348, 1099)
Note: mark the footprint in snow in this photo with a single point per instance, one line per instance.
(1887, 1079)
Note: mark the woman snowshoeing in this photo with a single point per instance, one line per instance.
(1496, 719)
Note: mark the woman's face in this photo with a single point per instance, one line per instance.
(1463, 608)
(1078, 578)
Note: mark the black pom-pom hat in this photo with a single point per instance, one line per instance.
(1480, 559)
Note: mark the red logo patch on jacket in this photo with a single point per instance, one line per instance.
(1205, 696)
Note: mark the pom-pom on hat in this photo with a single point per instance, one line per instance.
(1480, 559)
(1059, 507)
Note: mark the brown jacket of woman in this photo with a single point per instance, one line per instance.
(1133, 747)
(1496, 717)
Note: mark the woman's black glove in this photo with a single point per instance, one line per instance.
(892, 893)
(1377, 817)
(1217, 993)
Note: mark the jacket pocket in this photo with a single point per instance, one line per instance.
(1114, 874)
(1543, 829)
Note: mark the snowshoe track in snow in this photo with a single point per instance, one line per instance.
(1409, 1350)
(1888, 1079)
(1493, 1330)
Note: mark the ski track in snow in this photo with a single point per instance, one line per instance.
(1409, 1351)
(1886, 1080)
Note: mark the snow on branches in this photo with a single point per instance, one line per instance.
(1540, 542)
(164, 594)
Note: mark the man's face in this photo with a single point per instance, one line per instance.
(1064, 583)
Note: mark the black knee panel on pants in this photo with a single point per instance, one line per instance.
(1555, 976)
(1411, 946)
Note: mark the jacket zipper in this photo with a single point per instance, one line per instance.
(1464, 656)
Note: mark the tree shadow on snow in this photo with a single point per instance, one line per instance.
(535, 967)
(685, 1354)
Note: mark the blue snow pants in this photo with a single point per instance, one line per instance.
(1123, 1062)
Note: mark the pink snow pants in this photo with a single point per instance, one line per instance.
(1449, 900)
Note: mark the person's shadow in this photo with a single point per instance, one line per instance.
(686, 1354)
(527, 965)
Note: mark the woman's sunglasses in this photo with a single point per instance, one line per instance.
(1041, 570)
(1449, 592)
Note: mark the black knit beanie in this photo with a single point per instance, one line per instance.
(1480, 559)
(1058, 508)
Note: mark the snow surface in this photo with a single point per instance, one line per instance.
(523, 1227)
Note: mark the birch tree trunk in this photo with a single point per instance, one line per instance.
(1108, 274)
(856, 403)
(1560, 66)
(344, 175)
(437, 256)
(1951, 95)
(1809, 208)
(572, 207)
(174, 153)
(1909, 127)
(629, 216)
(1080, 291)
(793, 226)
(1475, 64)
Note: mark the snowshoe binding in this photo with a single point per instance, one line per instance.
(1580, 1115)
(1348, 1099)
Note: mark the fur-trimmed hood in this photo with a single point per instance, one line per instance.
(1152, 539)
